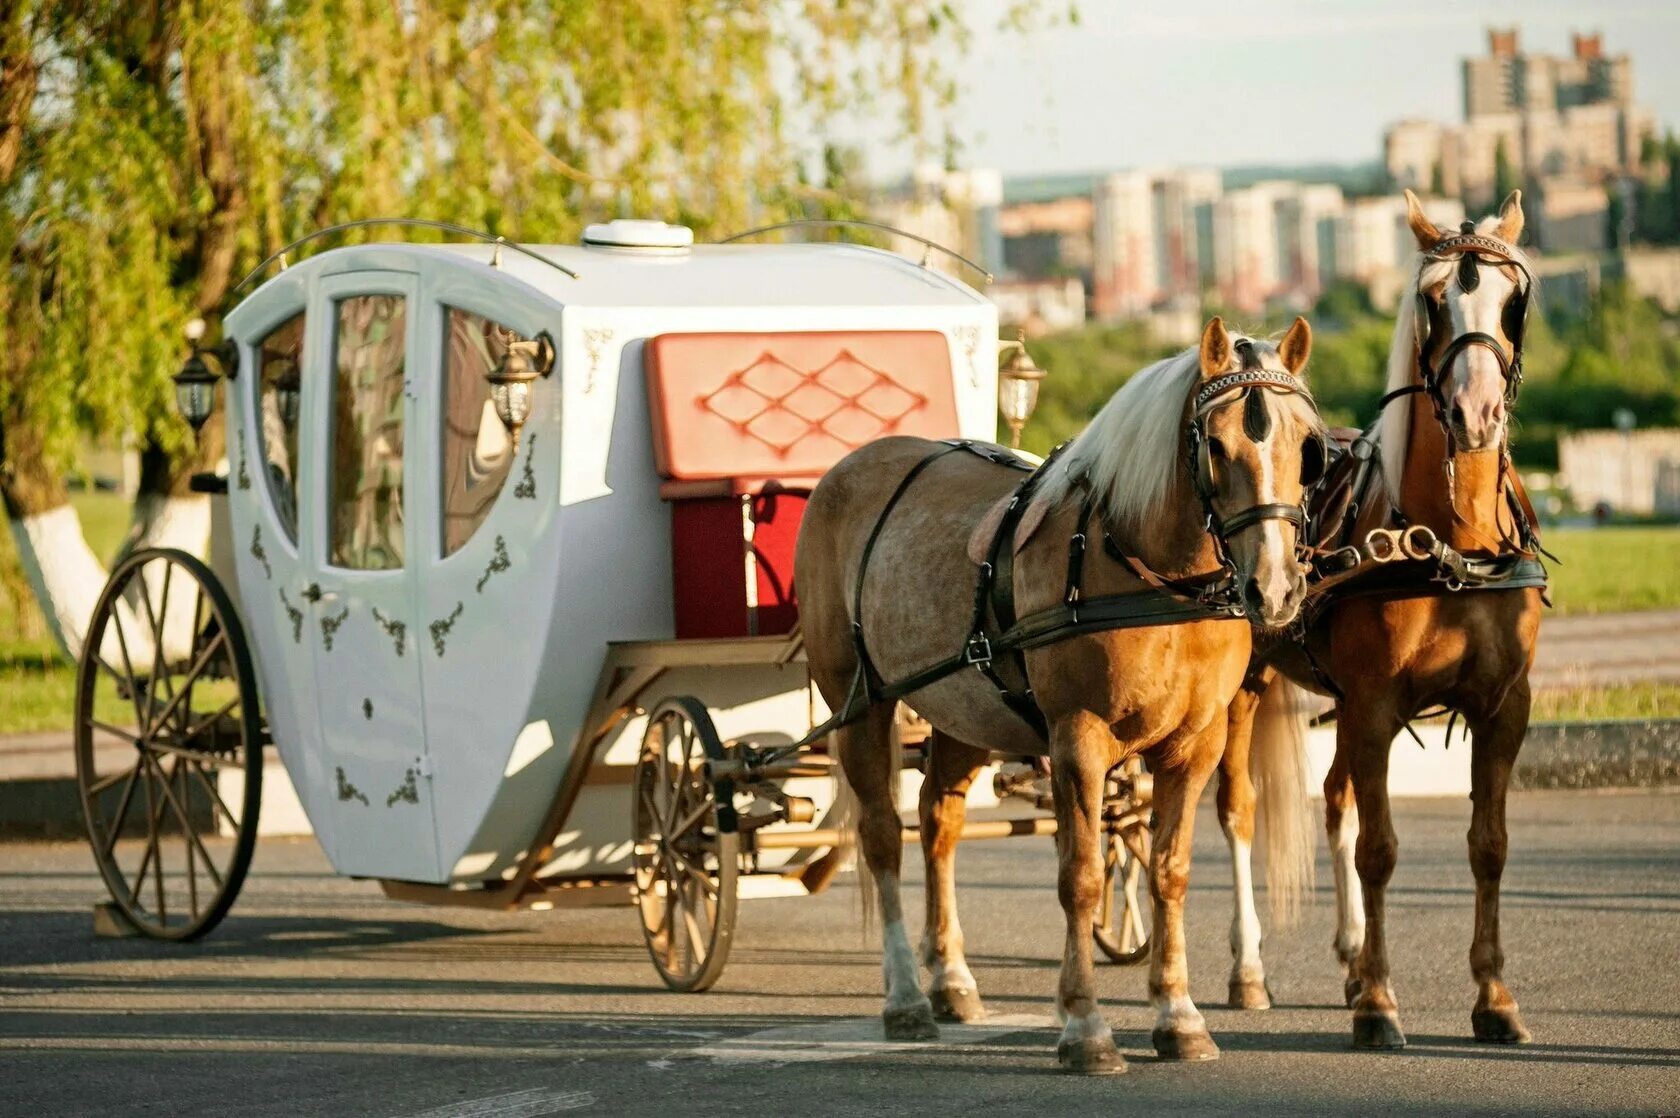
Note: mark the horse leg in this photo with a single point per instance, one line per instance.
(867, 755)
(1366, 741)
(1247, 988)
(1494, 744)
(1180, 1032)
(1341, 821)
(952, 767)
(1081, 754)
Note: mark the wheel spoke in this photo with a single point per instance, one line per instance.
(202, 659)
(165, 782)
(691, 820)
(699, 875)
(122, 810)
(696, 940)
(197, 769)
(128, 664)
(103, 783)
(192, 871)
(190, 731)
(159, 676)
(115, 731)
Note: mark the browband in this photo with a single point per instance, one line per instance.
(1248, 378)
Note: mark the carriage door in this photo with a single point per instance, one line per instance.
(361, 595)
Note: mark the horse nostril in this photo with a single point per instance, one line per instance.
(1458, 414)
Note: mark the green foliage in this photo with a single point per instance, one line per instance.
(167, 148)
(1578, 370)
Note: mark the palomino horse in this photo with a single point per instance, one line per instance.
(1433, 637)
(1190, 479)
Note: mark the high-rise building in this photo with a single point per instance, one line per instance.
(1125, 277)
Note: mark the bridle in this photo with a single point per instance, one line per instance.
(1248, 382)
(1473, 250)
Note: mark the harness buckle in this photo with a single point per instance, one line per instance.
(978, 650)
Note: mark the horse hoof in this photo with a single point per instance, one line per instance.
(1351, 990)
(913, 1022)
(1499, 1026)
(1377, 1029)
(1249, 995)
(957, 1005)
(1171, 1045)
(1091, 1056)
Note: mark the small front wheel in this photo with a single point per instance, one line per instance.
(685, 862)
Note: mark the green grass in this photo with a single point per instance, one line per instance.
(1597, 704)
(1608, 570)
(37, 685)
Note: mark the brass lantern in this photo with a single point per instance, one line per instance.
(510, 381)
(195, 384)
(1018, 381)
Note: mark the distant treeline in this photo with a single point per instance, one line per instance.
(1579, 369)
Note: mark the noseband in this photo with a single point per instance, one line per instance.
(1212, 396)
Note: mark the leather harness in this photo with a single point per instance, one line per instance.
(1214, 595)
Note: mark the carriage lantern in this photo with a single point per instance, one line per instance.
(510, 381)
(1018, 380)
(195, 384)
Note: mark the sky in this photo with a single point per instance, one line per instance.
(1242, 82)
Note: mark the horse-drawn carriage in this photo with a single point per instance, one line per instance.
(502, 570)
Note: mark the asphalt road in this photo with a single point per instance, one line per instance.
(318, 997)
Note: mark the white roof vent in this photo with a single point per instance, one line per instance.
(632, 233)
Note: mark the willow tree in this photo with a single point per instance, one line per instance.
(152, 151)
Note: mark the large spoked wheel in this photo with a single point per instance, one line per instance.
(1125, 914)
(166, 706)
(685, 862)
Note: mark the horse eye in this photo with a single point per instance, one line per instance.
(1217, 449)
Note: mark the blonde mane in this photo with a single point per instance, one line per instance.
(1132, 452)
(1394, 426)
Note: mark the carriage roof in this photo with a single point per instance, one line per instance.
(734, 275)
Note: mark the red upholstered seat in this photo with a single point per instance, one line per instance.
(758, 418)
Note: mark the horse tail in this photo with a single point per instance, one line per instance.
(1279, 768)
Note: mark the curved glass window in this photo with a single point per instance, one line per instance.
(477, 452)
(365, 531)
(279, 382)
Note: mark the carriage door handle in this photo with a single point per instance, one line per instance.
(314, 594)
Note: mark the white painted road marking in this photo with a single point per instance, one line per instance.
(844, 1040)
(533, 1103)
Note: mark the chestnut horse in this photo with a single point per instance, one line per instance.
(887, 581)
(1386, 656)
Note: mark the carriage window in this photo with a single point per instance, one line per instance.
(477, 452)
(366, 481)
(279, 379)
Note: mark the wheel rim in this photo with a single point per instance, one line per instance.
(165, 709)
(684, 866)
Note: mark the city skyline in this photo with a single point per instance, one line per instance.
(1286, 82)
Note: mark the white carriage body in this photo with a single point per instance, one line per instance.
(427, 713)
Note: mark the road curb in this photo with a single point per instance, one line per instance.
(1635, 753)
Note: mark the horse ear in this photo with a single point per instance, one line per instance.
(1216, 348)
(1296, 346)
(1426, 231)
(1511, 218)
